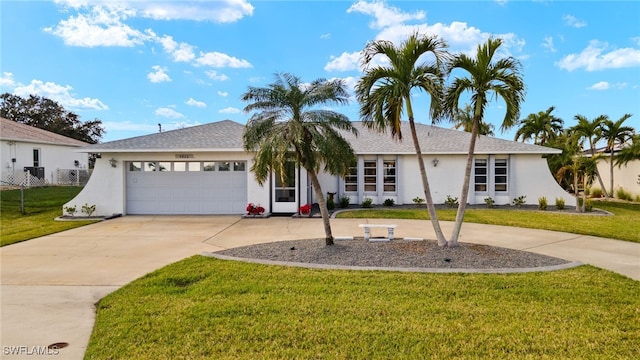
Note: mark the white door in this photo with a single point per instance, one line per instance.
(179, 187)
(285, 194)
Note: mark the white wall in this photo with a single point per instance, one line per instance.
(625, 177)
(534, 179)
(52, 158)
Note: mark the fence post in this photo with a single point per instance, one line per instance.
(22, 199)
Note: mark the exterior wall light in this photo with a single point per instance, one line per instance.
(435, 162)
(113, 162)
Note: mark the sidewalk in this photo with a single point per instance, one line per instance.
(50, 284)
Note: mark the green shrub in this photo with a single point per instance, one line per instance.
(596, 192)
(520, 200)
(344, 201)
(331, 204)
(622, 194)
(560, 203)
(418, 200)
(388, 202)
(88, 209)
(542, 203)
(588, 207)
(451, 201)
(366, 203)
(490, 202)
(71, 210)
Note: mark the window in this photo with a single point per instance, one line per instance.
(36, 157)
(224, 166)
(238, 166)
(370, 175)
(135, 166)
(193, 166)
(351, 180)
(209, 166)
(164, 166)
(480, 175)
(389, 172)
(180, 166)
(500, 182)
(150, 166)
(286, 192)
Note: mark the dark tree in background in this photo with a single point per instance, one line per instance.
(48, 115)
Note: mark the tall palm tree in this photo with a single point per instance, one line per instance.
(592, 132)
(541, 127)
(463, 119)
(615, 133)
(384, 93)
(629, 153)
(487, 78)
(287, 129)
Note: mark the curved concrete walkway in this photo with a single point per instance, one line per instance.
(50, 284)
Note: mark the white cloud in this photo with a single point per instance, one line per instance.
(602, 85)
(225, 11)
(383, 14)
(325, 36)
(168, 113)
(6, 80)
(230, 110)
(60, 94)
(548, 44)
(213, 75)
(223, 93)
(180, 52)
(218, 60)
(103, 26)
(159, 74)
(572, 21)
(196, 103)
(345, 62)
(594, 58)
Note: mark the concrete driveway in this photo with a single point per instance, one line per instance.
(50, 284)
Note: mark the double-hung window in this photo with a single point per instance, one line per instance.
(501, 177)
(351, 180)
(480, 174)
(370, 177)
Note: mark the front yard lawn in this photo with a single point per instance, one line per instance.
(623, 225)
(204, 308)
(42, 206)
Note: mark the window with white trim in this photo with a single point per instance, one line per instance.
(370, 178)
(480, 175)
(501, 175)
(351, 180)
(389, 175)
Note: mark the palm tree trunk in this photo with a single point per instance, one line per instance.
(453, 241)
(575, 186)
(322, 203)
(442, 241)
(593, 154)
(611, 171)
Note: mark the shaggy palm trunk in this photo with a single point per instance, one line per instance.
(465, 185)
(611, 171)
(322, 203)
(442, 241)
(575, 186)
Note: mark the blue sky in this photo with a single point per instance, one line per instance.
(134, 64)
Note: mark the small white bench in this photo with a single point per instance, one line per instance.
(367, 230)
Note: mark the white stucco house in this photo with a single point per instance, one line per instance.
(625, 177)
(29, 153)
(204, 170)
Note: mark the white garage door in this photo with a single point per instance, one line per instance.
(180, 187)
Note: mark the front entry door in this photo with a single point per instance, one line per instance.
(285, 195)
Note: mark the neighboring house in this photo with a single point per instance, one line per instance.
(32, 155)
(204, 170)
(625, 176)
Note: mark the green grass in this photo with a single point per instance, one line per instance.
(42, 206)
(622, 225)
(204, 308)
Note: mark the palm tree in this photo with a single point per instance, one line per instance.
(287, 130)
(629, 153)
(486, 79)
(615, 134)
(541, 127)
(384, 93)
(463, 119)
(592, 132)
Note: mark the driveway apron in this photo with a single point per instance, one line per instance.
(50, 284)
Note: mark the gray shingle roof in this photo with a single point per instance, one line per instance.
(227, 135)
(13, 131)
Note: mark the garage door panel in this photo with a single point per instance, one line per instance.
(186, 192)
